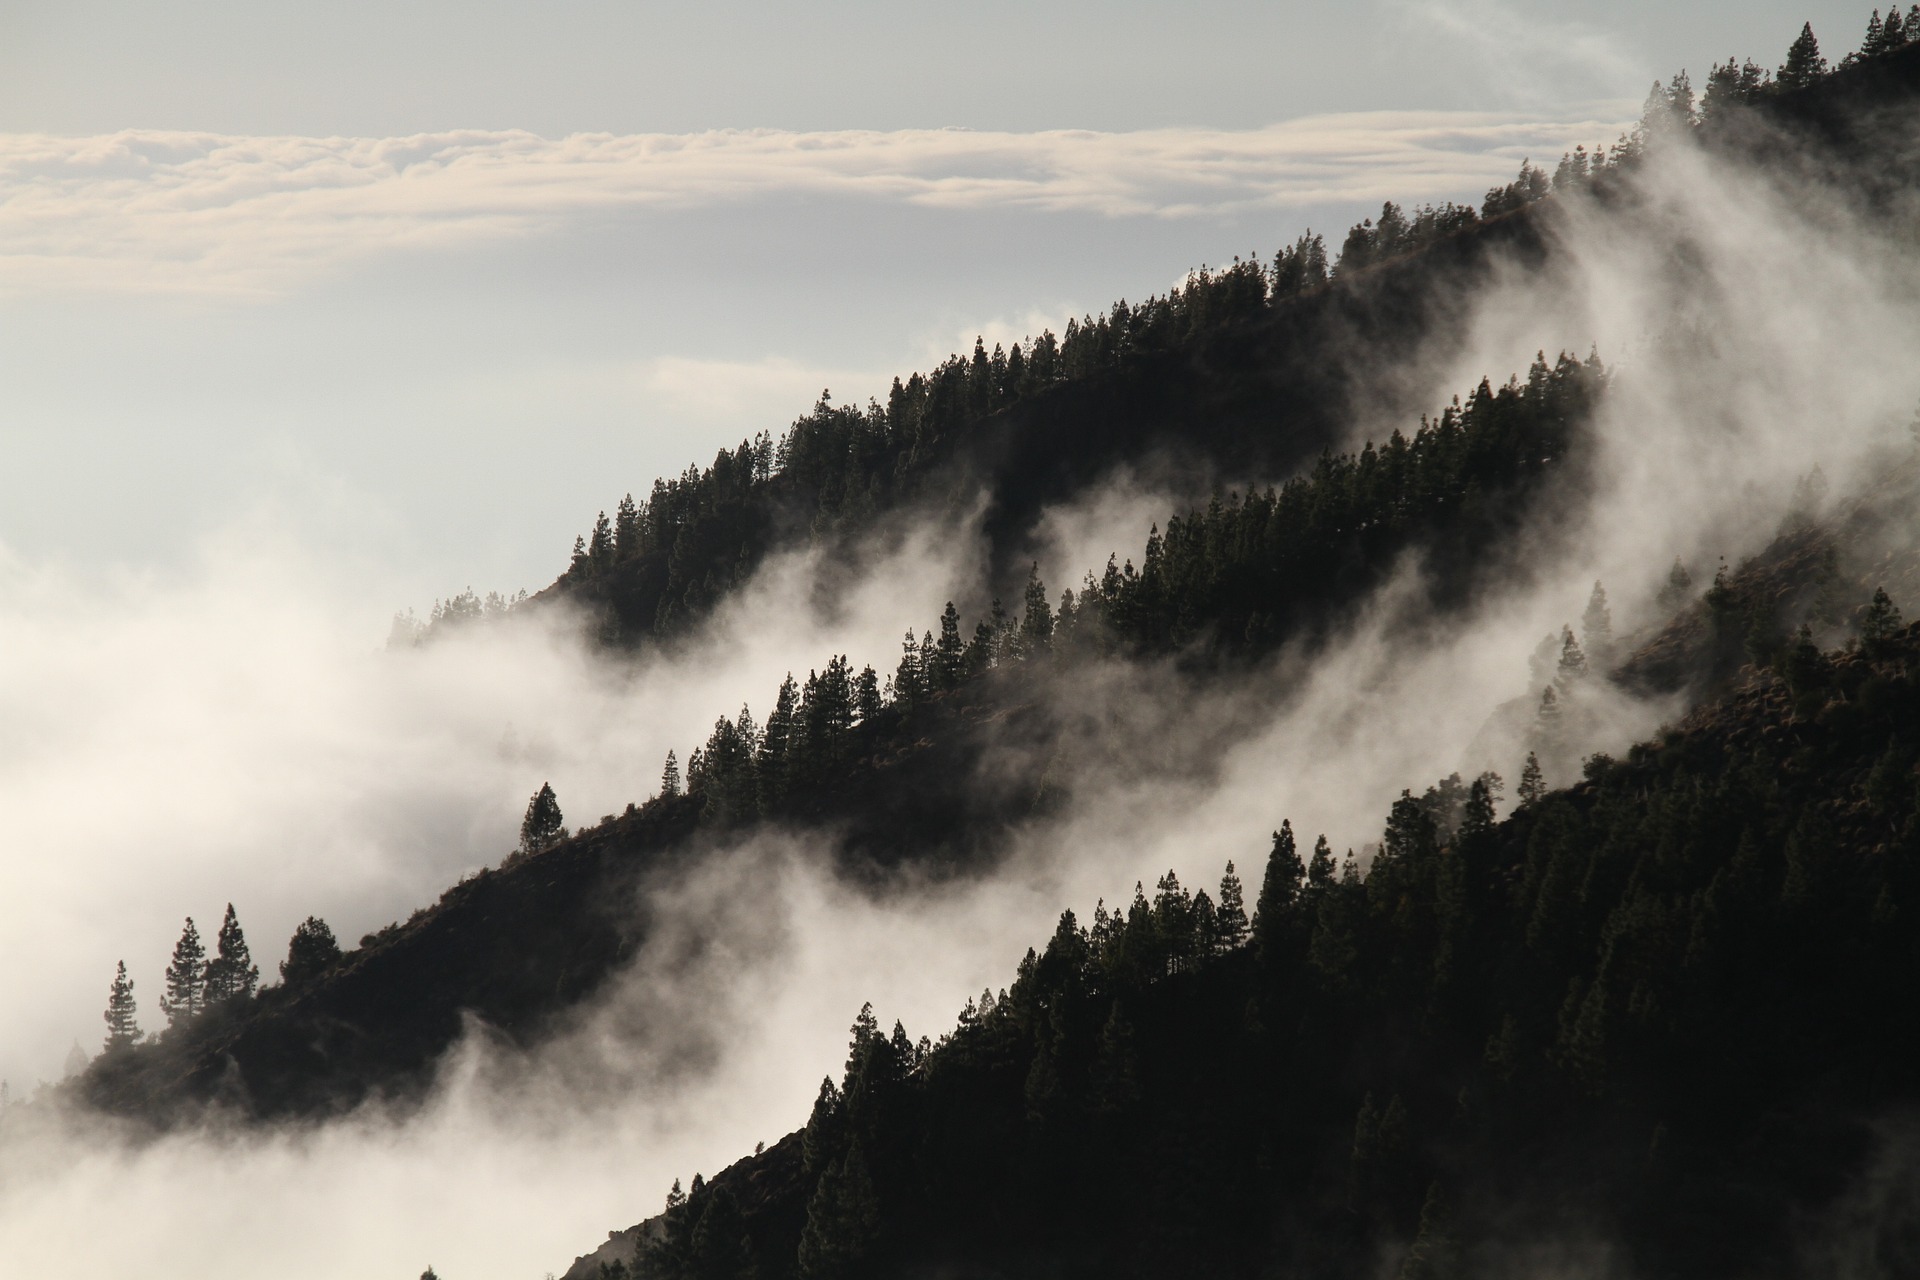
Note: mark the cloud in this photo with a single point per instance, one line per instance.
(148, 210)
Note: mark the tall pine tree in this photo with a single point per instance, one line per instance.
(541, 828)
(186, 997)
(1278, 890)
(1804, 65)
(231, 973)
(123, 1028)
(1231, 913)
(311, 952)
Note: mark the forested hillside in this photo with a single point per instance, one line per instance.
(892, 773)
(1246, 371)
(1666, 1010)
(1660, 1012)
(1658, 1023)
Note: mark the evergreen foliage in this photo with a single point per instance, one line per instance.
(1804, 64)
(123, 1026)
(664, 559)
(1879, 622)
(1232, 581)
(310, 952)
(186, 978)
(542, 828)
(1250, 569)
(1669, 994)
(231, 973)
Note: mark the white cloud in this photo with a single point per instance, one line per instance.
(194, 212)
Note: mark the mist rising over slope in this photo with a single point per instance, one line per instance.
(238, 736)
(714, 1036)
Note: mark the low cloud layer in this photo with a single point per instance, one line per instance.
(155, 211)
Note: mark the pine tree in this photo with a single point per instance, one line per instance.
(1300, 267)
(866, 695)
(778, 745)
(310, 952)
(1320, 871)
(910, 681)
(949, 650)
(231, 974)
(980, 649)
(1532, 783)
(1002, 631)
(1572, 668)
(626, 528)
(670, 775)
(1390, 232)
(1804, 65)
(829, 711)
(1875, 36)
(1036, 621)
(1596, 627)
(1731, 85)
(1669, 109)
(1804, 666)
(186, 996)
(1678, 588)
(926, 661)
(1278, 889)
(1478, 816)
(719, 1248)
(1231, 913)
(1356, 251)
(123, 1027)
(825, 1135)
(600, 545)
(541, 828)
(843, 1220)
(1173, 920)
(1206, 924)
(1879, 623)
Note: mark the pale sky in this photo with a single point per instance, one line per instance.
(420, 287)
